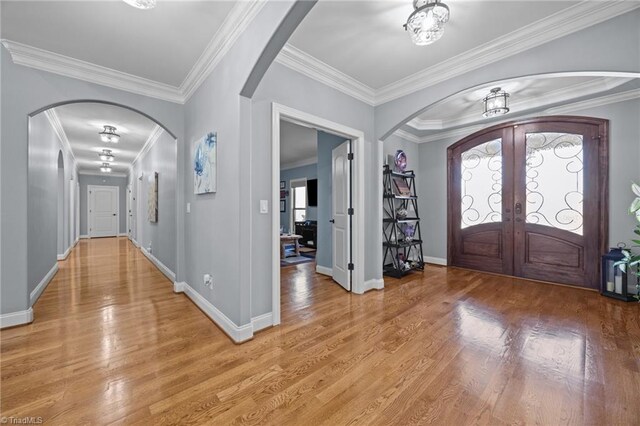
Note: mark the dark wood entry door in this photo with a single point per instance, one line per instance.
(529, 199)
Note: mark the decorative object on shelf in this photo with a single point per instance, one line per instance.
(283, 206)
(402, 189)
(425, 25)
(402, 245)
(283, 184)
(495, 103)
(109, 135)
(400, 161)
(615, 279)
(152, 199)
(106, 155)
(205, 164)
(105, 168)
(141, 4)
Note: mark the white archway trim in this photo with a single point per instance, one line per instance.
(281, 112)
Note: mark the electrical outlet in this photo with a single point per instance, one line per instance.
(150, 249)
(208, 281)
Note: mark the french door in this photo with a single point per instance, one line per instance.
(529, 199)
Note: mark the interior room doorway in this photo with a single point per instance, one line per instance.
(528, 199)
(103, 210)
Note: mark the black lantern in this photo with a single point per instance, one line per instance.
(614, 280)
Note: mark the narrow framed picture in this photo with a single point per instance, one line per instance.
(283, 194)
(283, 184)
(283, 206)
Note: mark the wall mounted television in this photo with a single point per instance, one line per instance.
(312, 192)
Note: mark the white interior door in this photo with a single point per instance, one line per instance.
(129, 213)
(341, 178)
(72, 213)
(103, 211)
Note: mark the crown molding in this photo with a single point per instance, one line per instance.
(305, 64)
(560, 24)
(564, 94)
(94, 173)
(403, 134)
(239, 18)
(595, 102)
(236, 22)
(33, 57)
(151, 140)
(564, 109)
(55, 122)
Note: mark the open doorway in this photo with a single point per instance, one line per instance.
(317, 181)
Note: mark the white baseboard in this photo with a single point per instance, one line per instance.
(16, 318)
(375, 284)
(435, 260)
(262, 321)
(75, 243)
(324, 270)
(84, 237)
(35, 294)
(166, 271)
(135, 243)
(123, 234)
(64, 255)
(237, 333)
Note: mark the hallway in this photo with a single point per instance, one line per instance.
(111, 342)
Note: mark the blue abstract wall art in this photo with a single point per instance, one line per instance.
(205, 164)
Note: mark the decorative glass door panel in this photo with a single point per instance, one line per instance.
(481, 184)
(528, 199)
(554, 171)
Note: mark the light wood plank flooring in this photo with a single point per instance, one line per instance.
(112, 343)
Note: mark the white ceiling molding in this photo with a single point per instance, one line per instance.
(595, 102)
(238, 20)
(407, 136)
(33, 57)
(55, 122)
(235, 23)
(153, 137)
(308, 65)
(560, 24)
(564, 109)
(299, 163)
(564, 94)
(94, 173)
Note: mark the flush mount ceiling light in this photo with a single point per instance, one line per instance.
(109, 134)
(426, 24)
(141, 4)
(495, 103)
(106, 155)
(105, 168)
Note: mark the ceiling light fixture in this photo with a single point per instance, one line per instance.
(109, 134)
(426, 24)
(106, 155)
(141, 4)
(495, 103)
(105, 168)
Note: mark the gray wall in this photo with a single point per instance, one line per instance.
(624, 144)
(310, 172)
(106, 180)
(24, 91)
(161, 235)
(42, 213)
(326, 144)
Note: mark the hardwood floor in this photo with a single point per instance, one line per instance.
(112, 343)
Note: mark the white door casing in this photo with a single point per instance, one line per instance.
(341, 229)
(128, 213)
(103, 211)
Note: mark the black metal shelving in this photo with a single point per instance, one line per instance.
(402, 251)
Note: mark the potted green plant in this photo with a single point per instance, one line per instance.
(631, 261)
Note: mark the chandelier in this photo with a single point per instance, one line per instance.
(426, 24)
(105, 168)
(109, 135)
(141, 4)
(106, 155)
(495, 103)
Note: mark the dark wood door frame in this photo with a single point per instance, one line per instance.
(595, 209)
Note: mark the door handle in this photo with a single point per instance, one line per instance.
(114, 214)
(332, 221)
(518, 208)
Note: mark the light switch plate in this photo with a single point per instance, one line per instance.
(264, 206)
(188, 207)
